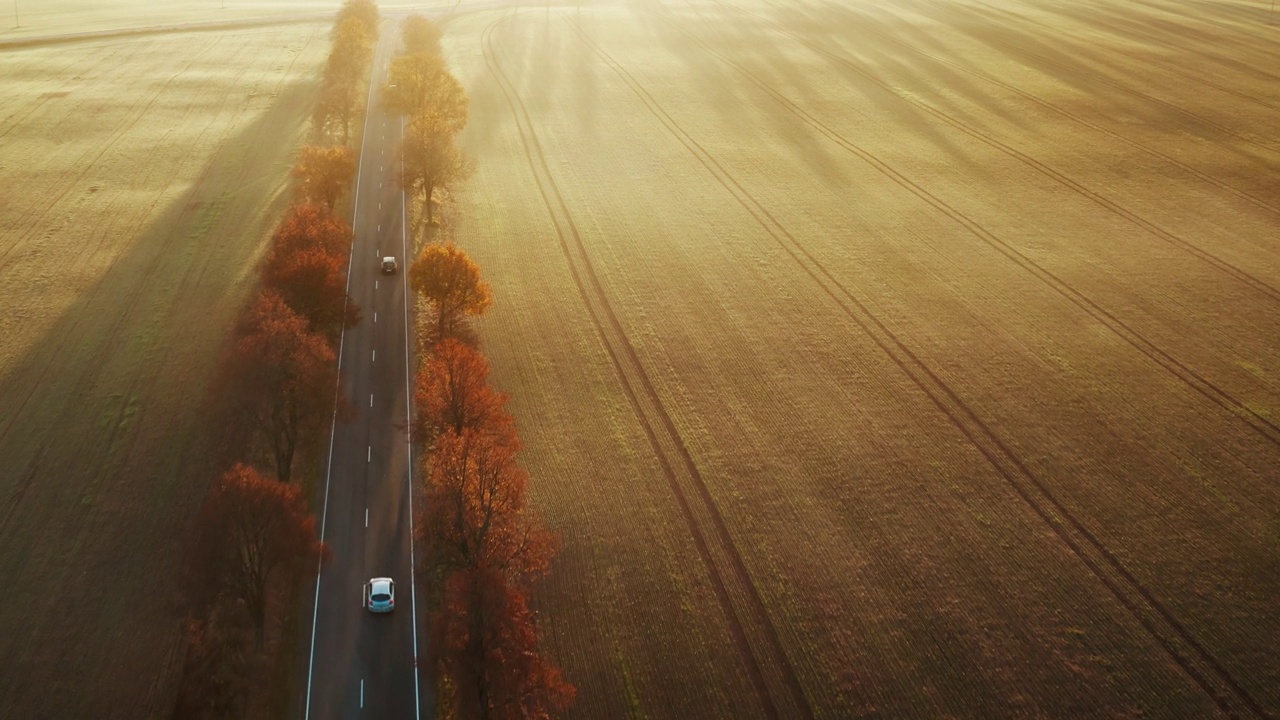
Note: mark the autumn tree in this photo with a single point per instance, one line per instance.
(307, 266)
(420, 35)
(419, 84)
(364, 12)
(337, 106)
(217, 669)
(485, 640)
(254, 529)
(432, 161)
(345, 70)
(452, 394)
(475, 500)
(352, 50)
(280, 378)
(450, 281)
(312, 226)
(324, 173)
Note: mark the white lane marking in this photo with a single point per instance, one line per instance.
(379, 206)
(375, 356)
(408, 445)
(370, 399)
(333, 424)
(375, 312)
(369, 456)
(361, 693)
(379, 228)
(379, 186)
(366, 520)
(375, 287)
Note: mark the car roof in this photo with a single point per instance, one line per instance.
(389, 257)
(381, 582)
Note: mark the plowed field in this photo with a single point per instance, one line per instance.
(139, 179)
(913, 359)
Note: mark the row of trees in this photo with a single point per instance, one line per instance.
(422, 90)
(482, 546)
(255, 537)
(355, 32)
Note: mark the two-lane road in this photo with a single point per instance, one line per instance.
(362, 665)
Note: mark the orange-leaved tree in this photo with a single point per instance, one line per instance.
(452, 394)
(476, 508)
(308, 267)
(311, 225)
(324, 173)
(364, 12)
(432, 161)
(419, 84)
(253, 529)
(420, 35)
(280, 378)
(448, 279)
(485, 640)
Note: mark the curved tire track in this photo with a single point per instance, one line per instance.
(1242, 194)
(1193, 379)
(1164, 627)
(1079, 188)
(754, 633)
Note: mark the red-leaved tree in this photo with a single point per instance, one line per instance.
(452, 393)
(485, 639)
(279, 378)
(252, 528)
(307, 265)
(475, 506)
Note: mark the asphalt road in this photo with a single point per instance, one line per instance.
(362, 665)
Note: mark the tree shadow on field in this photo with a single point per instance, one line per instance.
(696, 35)
(107, 445)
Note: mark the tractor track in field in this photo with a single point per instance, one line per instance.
(757, 639)
(1204, 177)
(1231, 33)
(1261, 424)
(1174, 638)
(1077, 187)
(1109, 22)
(1018, 52)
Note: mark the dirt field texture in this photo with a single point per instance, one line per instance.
(911, 359)
(140, 180)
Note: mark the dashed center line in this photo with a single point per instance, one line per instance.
(375, 356)
(366, 524)
(369, 456)
(370, 399)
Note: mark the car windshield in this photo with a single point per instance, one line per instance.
(381, 597)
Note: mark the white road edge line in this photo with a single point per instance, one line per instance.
(333, 423)
(408, 448)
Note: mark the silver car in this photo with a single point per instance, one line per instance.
(380, 595)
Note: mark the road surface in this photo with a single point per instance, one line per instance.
(361, 665)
